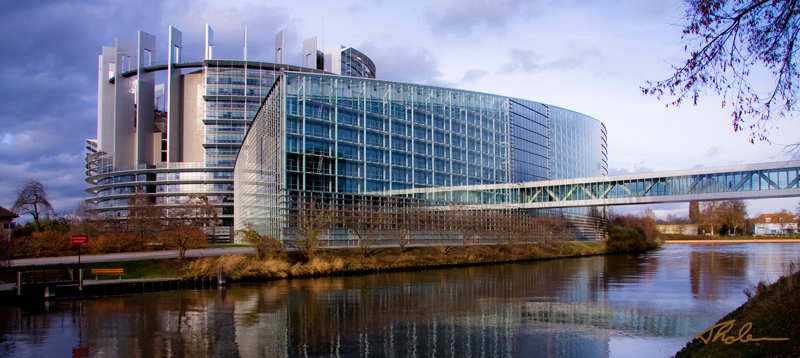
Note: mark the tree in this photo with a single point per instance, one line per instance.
(733, 214)
(467, 225)
(401, 223)
(598, 221)
(797, 213)
(144, 219)
(694, 211)
(32, 200)
(186, 223)
(265, 246)
(727, 39)
(364, 219)
(310, 219)
(440, 224)
(710, 215)
(499, 228)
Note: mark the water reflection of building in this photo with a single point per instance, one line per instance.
(563, 308)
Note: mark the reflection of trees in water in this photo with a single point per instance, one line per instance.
(710, 272)
(629, 268)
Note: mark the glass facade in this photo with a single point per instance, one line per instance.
(356, 64)
(355, 136)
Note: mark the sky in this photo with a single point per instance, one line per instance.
(588, 56)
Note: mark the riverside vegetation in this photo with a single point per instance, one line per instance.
(544, 239)
(774, 312)
(512, 236)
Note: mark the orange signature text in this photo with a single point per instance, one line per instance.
(722, 330)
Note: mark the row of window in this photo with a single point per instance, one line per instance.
(194, 175)
(420, 179)
(230, 115)
(117, 191)
(193, 188)
(224, 91)
(224, 139)
(346, 151)
(263, 82)
(347, 135)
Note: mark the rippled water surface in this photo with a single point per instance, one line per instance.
(644, 305)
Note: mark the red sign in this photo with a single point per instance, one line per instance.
(79, 239)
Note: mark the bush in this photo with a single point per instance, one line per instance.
(622, 239)
(42, 244)
(112, 242)
(266, 246)
(644, 225)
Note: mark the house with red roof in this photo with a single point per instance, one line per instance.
(775, 224)
(6, 218)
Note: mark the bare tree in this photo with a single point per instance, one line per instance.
(187, 223)
(400, 224)
(440, 225)
(365, 219)
(310, 219)
(85, 221)
(32, 200)
(694, 211)
(797, 213)
(733, 214)
(710, 215)
(598, 221)
(728, 38)
(467, 225)
(498, 228)
(144, 218)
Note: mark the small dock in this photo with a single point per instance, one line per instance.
(65, 290)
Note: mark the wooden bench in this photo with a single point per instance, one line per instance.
(107, 271)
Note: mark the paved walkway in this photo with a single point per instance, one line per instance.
(130, 256)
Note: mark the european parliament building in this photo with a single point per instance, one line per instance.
(255, 136)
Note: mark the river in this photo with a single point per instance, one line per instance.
(630, 305)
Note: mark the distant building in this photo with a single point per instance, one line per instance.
(775, 224)
(683, 229)
(6, 218)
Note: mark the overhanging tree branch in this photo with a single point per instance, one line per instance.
(733, 37)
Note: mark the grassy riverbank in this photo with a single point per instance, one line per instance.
(336, 261)
(773, 310)
(327, 261)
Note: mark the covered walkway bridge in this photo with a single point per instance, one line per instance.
(748, 181)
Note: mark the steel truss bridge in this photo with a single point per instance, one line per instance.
(748, 181)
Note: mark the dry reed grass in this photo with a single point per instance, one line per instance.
(341, 260)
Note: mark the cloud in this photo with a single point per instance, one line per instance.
(407, 64)
(522, 60)
(528, 61)
(713, 151)
(637, 168)
(49, 71)
(472, 76)
(462, 18)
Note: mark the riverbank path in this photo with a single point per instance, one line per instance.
(131, 256)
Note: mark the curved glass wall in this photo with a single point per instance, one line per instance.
(358, 136)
